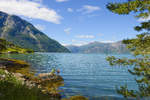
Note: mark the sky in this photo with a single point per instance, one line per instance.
(74, 22)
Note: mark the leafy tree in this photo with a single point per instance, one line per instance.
(139, 47)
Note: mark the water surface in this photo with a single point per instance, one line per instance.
(84, 74)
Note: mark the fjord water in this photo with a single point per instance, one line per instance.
(84, 74)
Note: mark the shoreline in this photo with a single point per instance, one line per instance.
(46, 84)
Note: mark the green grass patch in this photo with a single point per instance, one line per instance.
(12, 89)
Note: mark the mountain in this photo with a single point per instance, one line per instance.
(25, 35)
(99, 47)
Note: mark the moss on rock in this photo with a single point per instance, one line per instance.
(13, 63)
(76, 98)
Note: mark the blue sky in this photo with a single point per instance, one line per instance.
(73, 21)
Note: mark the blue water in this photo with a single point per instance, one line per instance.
(84, 74)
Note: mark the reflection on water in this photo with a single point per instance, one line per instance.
(84, 74)
(41, 63)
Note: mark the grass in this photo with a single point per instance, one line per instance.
(12, 89)
(17, 50)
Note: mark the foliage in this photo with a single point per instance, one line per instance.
(5, 76)
(12, 89)
(140, 7)
(139, 46)
(2, 45)
(8, 47)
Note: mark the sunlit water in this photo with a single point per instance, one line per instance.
(84, 74)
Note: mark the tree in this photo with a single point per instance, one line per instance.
(2, 44)
(139, 47)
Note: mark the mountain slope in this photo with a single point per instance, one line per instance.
(8, 47)
(24, 34)
(98, 47)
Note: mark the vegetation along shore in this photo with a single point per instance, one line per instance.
(17, 82)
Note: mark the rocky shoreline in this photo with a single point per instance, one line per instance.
(15, 73)
(18, 69)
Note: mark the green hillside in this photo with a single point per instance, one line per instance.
(8, 47)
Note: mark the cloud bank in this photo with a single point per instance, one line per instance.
(85, 36)
(30, 9)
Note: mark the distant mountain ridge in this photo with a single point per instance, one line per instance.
(24, 34)
(99, 47)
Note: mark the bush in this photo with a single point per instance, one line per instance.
(13, 89)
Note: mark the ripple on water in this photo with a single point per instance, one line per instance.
(85, 74)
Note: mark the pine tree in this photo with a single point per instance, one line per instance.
(139, 47)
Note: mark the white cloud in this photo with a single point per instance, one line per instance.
(40, 27)
(88, 9)
(107, 41)
(30, 9)
(69, 9)
(144, 19)
(75, 43)
(79, 43)
(67, 30)
(85, 36)
(61, 0)
(64, 44)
